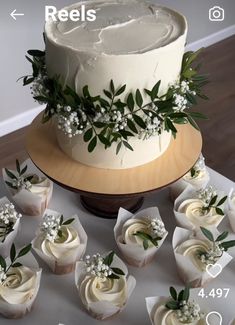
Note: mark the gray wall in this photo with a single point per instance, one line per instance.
(18, 36)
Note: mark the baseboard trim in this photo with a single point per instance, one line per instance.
(25, 118)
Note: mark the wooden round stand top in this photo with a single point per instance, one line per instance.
(103, 191)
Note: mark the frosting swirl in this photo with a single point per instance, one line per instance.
(192, 208)
(94, 289)
(164, 316)
(130, 227)
(200, 175)
(62, 247)
(19, 286)
(191, 249)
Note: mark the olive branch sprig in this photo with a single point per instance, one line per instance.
(224, 245)
(212, 200)
(109, 119)
(18, 178)
(13, 259)
(178, 298)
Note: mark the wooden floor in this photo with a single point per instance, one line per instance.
(218, 133)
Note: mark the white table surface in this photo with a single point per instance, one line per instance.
(58, 301)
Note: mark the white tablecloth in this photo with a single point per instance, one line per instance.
(58, 301)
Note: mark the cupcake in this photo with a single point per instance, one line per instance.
(175, 310)
(139, 236)
(9, 225)
(30, 190)
(19, 283)
(198, 178)
(194, 209)
(200, 257)
(231, 209)
(60, 243)
(103, 285)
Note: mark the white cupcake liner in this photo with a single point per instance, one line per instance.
(67, 264)
(20, 310)
(197, 184)
(6, 245)
(136, 255)
(181, 218)
(104, 309)
(30, 203)
(231, 210)
(187, 271)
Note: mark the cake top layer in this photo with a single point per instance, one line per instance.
(121, 27)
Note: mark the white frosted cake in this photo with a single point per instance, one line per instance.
(131, 42)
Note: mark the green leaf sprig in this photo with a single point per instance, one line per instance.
(224, 245)
(18, 178)
(147, 239)
(13, 258)
(109, 118)
(64, 223)
(177, 299)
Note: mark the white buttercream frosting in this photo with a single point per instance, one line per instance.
(130, 227)
(198, 177)
(121, 27)
(164, 316)
(191, 248)
(192, 208)
(19, 286)
(93, 289)
(62, 247)
(41, 187)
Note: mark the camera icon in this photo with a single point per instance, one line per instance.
(216, 13)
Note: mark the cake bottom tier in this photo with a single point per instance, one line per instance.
(144, 151)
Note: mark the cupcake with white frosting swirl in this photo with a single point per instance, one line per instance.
(194, 209)
(197, 178)
(103, 284)
(60, 243)
(19, 283)
(175, 310)
(30, 190)
(202, 256)
(139, 236)
(9, 225)
(231, 209)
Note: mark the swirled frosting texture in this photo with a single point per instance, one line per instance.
(130, 227)
(192, 208)
(94, 289)
(40, 188)
(63, 247)
(165, 316)
(20, 286)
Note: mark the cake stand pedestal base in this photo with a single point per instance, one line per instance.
(107, 207)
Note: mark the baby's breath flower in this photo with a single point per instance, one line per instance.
(213, 255)
(206, 195)
(96, 266)
(3, 275)
(189, 312)
(50, 227)
(8, 214)
(157, 228)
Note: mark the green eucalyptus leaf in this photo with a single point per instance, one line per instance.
(186, 294)
(88, 135)
(222, 236)
(12, 252)
(207, 233)
(36, 53)
(173, 305)
(155, 90)
(114, 276)
(138, 98)
(222, 201)
(108, 260)
(228, 244)
(3, 263)
(139, 121)
(107, 94)
(120, 90)
(131, 126)
(118, 147)
(130, 102)
(11, 186)
(17, 264)
(173, 293)
(219, 211)
(128, 146)
(25, 250)
(23, 171)
(10, 174)
(92, 144)
(213, 200)
(68, 222)
(117, 271)
(112, 88)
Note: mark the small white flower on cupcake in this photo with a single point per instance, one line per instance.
(201, 257)
(60, 243)
(231, 209)
(198, 178)
(139, 236)
(103, 284)
(19, 282)
(30, 190)
(176, 309)
(204, 208)
(9, 225)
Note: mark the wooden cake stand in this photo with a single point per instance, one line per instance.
(104, 191)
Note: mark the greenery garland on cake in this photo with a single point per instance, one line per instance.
(108, 119)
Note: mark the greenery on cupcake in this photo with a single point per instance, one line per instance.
(111, 119)
(6, 270)
(198, 167)
(20, 179)
(101, 266)
(218, 247)
(186, 311)
(8, 218)
(211, 200)
(51, 226)
(155, 231)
